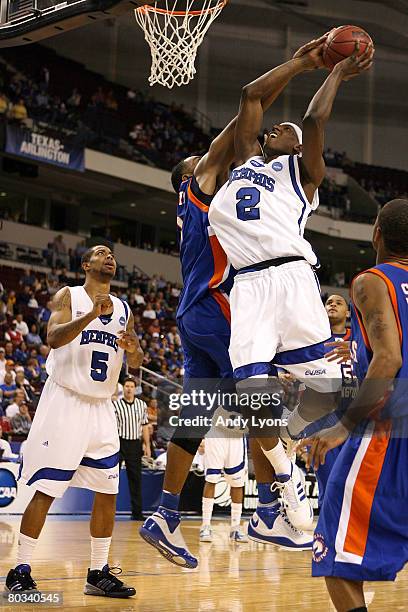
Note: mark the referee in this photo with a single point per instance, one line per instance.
(131, 414)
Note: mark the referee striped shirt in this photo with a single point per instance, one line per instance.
(131, 417)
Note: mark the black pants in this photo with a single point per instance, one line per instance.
(131, 454)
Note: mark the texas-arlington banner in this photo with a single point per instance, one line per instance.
(43, 148)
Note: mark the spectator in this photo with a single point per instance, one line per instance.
(44, 316)
(33, 338)
(28, 278)
(5, 448)
(60, 251)
(20, 354)
(12, 335)
(149, 313)
(2, 364)
(24, 297)
(138, 297)
(22, 383)
(8, 389)
(4, 104)
(63, 278)
(11, 301)
(32, 302)
(21, 421)
(21, 325)
(18, 111)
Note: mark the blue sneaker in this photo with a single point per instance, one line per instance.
(270, 525)
(162, 530)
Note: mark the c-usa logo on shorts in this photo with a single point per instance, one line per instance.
(320, 549)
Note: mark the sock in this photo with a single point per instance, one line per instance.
(279, 459)
(265, 495)
(170, 501)
(296, 424)
(208, 504)
(236, 511)
(26, 548)
(99, 552)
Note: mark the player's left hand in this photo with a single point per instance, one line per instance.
(312, 53)
(341, 353)
(323, 442)
(128, 341)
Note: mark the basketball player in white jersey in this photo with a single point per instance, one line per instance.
(259, 216)
(74, 437)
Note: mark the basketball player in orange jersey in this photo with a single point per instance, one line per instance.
(203, 313)
(74, 438)
(362, 532)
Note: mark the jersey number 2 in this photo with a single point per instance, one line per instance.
(248, 199)
(99, 366)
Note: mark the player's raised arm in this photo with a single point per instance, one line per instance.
(62, 329)
(318, 113)
(259, 95)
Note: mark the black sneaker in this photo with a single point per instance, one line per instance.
(19, 580)
(105, 584)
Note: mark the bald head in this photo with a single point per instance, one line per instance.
(392, 223)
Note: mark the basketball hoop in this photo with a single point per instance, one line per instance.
(174, 34)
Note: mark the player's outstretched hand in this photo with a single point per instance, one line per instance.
(356, 64)
(102, 304)
(320, 444)
(128, 341)
(340, 353)
(312, 53)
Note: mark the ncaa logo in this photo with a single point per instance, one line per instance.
(277, 166)
(122, 320)
(8, 488)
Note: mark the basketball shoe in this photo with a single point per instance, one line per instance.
(291, 488)
(236, 535)
(206, 534)
(270, 525)
(162, 530)
(105, 583)
(19, 580)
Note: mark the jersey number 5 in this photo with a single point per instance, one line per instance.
(99, 366)
(248, 199)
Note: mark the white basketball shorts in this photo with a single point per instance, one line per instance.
(73, 442)
(278, 319)
(225, 456)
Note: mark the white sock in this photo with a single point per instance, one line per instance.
(296, 424)
(279, 459)
(236, 511)
(26, 548)
(99, 552)
(208, 504)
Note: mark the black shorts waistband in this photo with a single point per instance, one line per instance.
(262, 265)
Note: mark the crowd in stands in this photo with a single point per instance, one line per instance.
(25, 309)
(95, 113)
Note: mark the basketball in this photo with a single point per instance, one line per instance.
(341, 43)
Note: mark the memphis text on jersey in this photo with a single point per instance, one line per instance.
(97, 336)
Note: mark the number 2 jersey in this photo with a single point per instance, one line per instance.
(395, 276)
(261, 212)
(90, 365)
(204, 265)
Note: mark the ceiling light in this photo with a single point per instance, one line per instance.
(163, 212)
(362, 252)
(132, 204)
(3, 194)
(330, 247)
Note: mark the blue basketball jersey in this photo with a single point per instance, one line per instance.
(396, 278)
(204, 265)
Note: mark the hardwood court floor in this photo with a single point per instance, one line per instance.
(230, 577)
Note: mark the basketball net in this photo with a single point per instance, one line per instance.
(174, 34)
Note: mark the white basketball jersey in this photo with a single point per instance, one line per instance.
(261, 212)
(90, 365)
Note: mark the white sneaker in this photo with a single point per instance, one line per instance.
(270, 525)
(294, 499)
(236, 535)
(206, 534)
